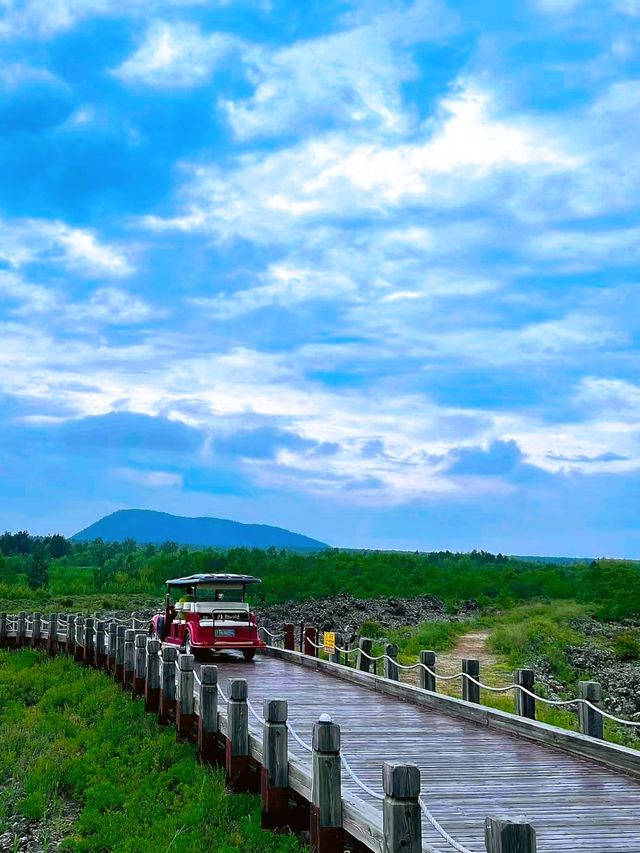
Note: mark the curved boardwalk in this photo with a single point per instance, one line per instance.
(468, 771)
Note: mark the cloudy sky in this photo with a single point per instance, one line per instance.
(366, 269)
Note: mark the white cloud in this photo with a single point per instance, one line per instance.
(26, 241)
(336, 176)
(150, 479)
(176, 56)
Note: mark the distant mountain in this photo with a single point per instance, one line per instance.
(146, 526)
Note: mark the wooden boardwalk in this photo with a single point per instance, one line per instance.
(468, 770)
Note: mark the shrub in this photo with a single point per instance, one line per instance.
(626, 646)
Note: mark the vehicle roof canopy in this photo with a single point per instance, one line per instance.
(214, 579)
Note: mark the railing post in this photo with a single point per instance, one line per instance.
(289, 636)
(391, 666)
(591, 722)
(363, 661)
(88, 641)
(152, 678)
(52, 637)
(237, 749)
(36, 627)
(21, 628)
(401, 818)
(118, 672)
(426, 680)
(470, 691)
(208, 749)
(112, 633)
(140, 665)
(335, 656)
(310, 637)
(275, 764)
(79, 638)
(167, 683)
(70, 635)
(301, 636)
(3, 628)
(502, 835)
(326, 791)
(129, 657)
(184, 697)
(525, 704)
(100, 657)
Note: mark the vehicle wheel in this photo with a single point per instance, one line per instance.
(248, 654)
(158, 631)
(188, 650)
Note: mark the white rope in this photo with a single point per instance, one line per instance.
(255, 713)
(440, 830)
(224, 698)
(359, 781)
(297, 738)
(195, 677)
(273, 636)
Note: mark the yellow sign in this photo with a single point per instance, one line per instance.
(329, 641)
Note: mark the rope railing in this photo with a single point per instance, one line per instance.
(440, 829)
(553, 702)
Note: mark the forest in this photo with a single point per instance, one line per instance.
(42, 570)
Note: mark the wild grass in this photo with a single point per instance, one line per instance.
(69, 735)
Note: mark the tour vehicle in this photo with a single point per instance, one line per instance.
(208, 612)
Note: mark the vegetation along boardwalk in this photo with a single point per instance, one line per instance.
(366, 762)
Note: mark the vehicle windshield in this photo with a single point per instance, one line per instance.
(226, 593)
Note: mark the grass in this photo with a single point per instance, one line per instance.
(69, 735)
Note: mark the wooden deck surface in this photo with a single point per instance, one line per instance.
(468, 771)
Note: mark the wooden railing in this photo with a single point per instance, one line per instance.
(301, 793)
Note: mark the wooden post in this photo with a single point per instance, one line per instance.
(275, 765)
(70, 635)
(470, 691)
(502, 835)
(310, 637)
(335, 656)
(237, 747)
(391, 666)
(52, 637)
(79, 638)
(112, 633)
(401, 818)
(152, 678)
(100, 655)
(36, 628)
(591, 722)
(426, 680)
(185, 717)
(167, 683)
(140, 665)
(525, 704)
(129, 657)
(326, 794)
(118, 672)
(363, 661)
(88, 644)
(208, 750)
(3, 629)
(289, 636)
(21, 628)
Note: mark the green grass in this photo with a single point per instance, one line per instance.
(69, 735)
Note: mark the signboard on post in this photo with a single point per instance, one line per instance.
(329, 641)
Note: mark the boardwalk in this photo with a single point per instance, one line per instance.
(468, 771)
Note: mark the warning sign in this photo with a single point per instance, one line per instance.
(329, 641)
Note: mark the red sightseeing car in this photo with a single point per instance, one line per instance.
(208, 612)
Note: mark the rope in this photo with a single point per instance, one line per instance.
(273, 636)
(224, 698)
(440, 830)
(297, 738)
(359, 781)
(255, 713)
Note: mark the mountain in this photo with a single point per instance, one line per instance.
(145, 526)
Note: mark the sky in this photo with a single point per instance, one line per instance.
(364, 269)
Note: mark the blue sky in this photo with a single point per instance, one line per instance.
(366, 269)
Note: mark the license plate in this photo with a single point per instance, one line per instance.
(225, 632)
